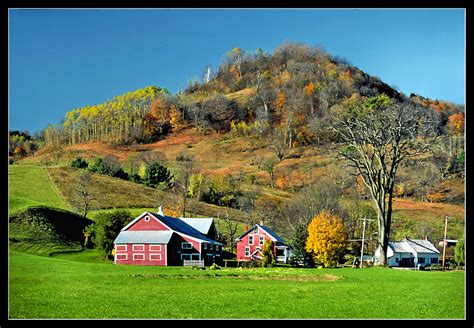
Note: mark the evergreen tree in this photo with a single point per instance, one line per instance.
(299, 254)
(157, 175)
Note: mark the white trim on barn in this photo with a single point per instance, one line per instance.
(154, 254)
(138, 254)
(134, 246)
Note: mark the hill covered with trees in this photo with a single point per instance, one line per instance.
(257, 134)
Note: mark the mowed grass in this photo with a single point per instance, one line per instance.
(29, 185)
(81, 286)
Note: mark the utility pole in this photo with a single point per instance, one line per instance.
(445, 240)
(363, 238)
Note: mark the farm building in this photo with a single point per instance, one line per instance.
(250, 244)
(410, 253)
(157, 239)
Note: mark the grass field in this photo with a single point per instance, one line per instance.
(29, 185)
(83, 286)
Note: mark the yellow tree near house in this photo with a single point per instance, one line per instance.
(326, 238)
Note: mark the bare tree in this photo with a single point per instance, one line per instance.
(82, 194)
(378, 134)
(186, 170)
(231, 230)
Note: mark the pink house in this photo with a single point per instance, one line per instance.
(250, 244)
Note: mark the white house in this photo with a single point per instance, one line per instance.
(410, 253)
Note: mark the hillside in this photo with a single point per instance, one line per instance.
(260, 134)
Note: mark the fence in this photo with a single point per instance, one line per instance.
(199, 263)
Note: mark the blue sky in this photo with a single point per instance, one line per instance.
(61, 59)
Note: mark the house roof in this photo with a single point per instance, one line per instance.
(269, 231)
(413, 245)
(139, 237)
(176, 225)
(202, 225)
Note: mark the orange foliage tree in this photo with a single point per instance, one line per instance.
(326, 238)
(456, 123)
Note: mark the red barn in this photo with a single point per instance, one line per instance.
(157, 239)
(250, 244)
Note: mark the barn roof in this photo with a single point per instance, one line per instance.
(202, 225)
(413, 245)
(269, 231)
(179, 225)
(141, 237)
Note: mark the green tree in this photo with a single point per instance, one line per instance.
(157, 175)
(299, 254)
(107, 227)
(459, 255)
(267, 254)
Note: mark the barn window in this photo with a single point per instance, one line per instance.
(155, 257)
(155, 248)
(120, 256)
(255, 230)
(138, 256)
(185, 245)
(250, 240)
(121, 247)
(147, 218)
(139, 247)
(247, 251)
(262, 239)
(205, 246)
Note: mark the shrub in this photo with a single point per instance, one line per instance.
(214, 266)
(79, 163)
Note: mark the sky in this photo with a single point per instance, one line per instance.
(62, 59)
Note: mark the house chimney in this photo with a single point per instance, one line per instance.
(160, 211)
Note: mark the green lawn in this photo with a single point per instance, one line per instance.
(29, 185)
(83, 286)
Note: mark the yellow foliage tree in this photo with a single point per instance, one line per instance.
(326, 238)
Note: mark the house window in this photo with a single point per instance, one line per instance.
(218, 248)
(396, 259)
(138, 256)
(121, 247)
(120, 256)
(185, 256)
(250, 240)
(155, 257)
(205, 246)
(262, 239)
(211, 247)
(185, 245)
(155, 248)
(255, 230)
(138, 247)
(434, 260)
(421, 260)
(247, 251)
(147, 218)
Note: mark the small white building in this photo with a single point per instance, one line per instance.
(410, 253)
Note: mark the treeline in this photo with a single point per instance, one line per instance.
(286, 96)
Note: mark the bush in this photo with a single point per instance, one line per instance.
(214, 266)
(79, 163)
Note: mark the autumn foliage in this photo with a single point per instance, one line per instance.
(326, 238)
